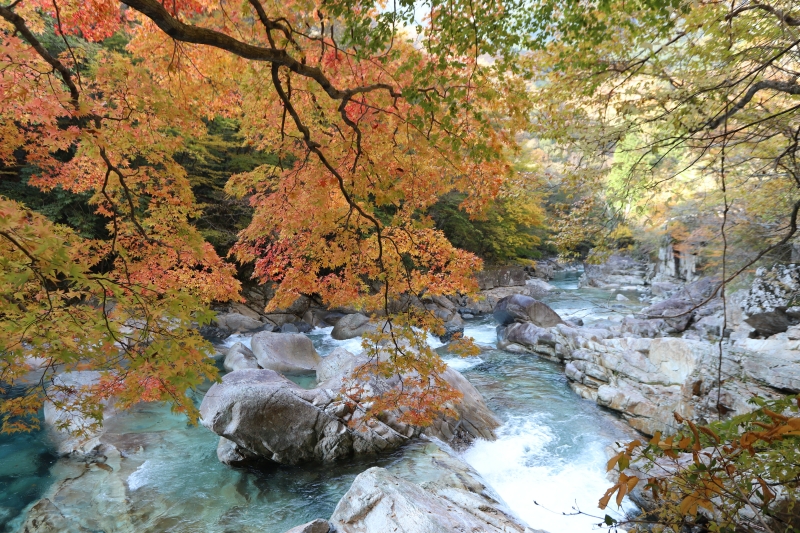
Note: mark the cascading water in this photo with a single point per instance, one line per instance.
(550, 450)
(549, 457)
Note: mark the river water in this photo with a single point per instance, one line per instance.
(547, 463)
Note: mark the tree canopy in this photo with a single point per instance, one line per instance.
(369, 117)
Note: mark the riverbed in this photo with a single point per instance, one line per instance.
(547, 463)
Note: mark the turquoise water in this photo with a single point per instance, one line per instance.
(25, 462)
(550, 450)
(550, 455)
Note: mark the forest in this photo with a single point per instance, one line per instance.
(491, 266)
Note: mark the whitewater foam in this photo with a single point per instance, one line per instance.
(539, 479)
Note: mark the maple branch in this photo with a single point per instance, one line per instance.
(19, 23)
(179, 31)
(314, 147)
(783, 17)
(270, 24)
(781, 86)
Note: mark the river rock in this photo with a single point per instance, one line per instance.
(214, 333)
(351, 326)
(289, 327)
(772, 293)
(474, 421)
(239, 357)
(664, 289)
(525, 333)
(521, 308)
(64, 424)
(501, 277)
(775, 361)
(315, 526)
(676, 313)
(239, 323)
(291, 353)
(616, 272)
(65, 507)
(269, 417)
(457, 500)
(455, 325)
(339, 363)
(639, 327)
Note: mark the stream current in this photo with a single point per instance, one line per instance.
(549, 458)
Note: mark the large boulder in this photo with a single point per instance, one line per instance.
(675, 313)
(337, 364)
(69, 429)
(521, 308)
(351, 326)
(771, 295)
(687, 305)
(379, 501)
(267, 416)
(458, 500)
(239, 323)
(315, 526)
(643, 327)
(616, 272)
(452, 327)
(239, 357)
(290, 353)
(474, 419)
(501, 277)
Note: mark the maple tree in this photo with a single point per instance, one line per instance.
(737, 475)
(668, 124)
(370, 117)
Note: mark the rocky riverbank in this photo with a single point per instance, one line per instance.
(644, 366)
(681, 354)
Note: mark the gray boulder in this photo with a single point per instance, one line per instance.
(685, 306)
(239, 357)
(771, 295)
(474, 419)
(501, 277)
(339, 363)
(239, 323)
(675, 312)
(351, 326)
(214, 333)
(315, 526)
(69, 429)
(521, 308)
(267, 416)
(291, 353)
(451, 327)
(642, 327)
(458, 500)
(616, 272)
(526, 334)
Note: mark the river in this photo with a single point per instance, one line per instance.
(547, 463)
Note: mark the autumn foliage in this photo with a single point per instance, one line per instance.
(370, 118)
